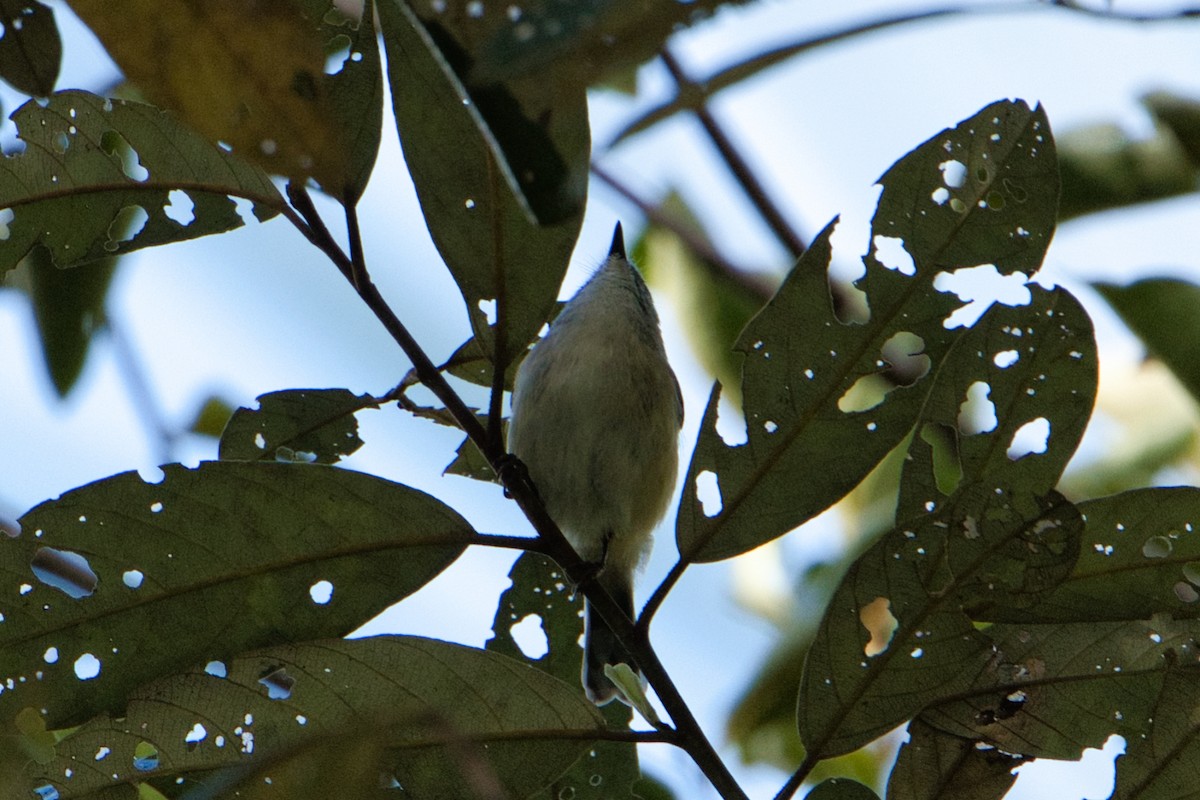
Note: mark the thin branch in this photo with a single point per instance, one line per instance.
(500, 331)
(531, 544)
(742, 172)
(793, 784)
(140, 391)
(358, 261)
(660, 594)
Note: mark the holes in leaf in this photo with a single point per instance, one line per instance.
(321, 592)
(530, 637)
(180, 208)
(338, 49)
(1157, 547)
(954, 173)
(1032, 438)
(6, 217)
(876, 616)
(902, 363)
(1191, 571)
(943, 448)
(132, 578)
(51, 655)
(117, 146)
(125, 227)
(279, 684)
(890, 252)
(979, 287)
(217, 669)
(9, 527)
(145, 757)
(708, 492)
(731, 422)
(46, 792)
(1006, 358)
(196, 735)
(488, 307)
(1186, 593)
(66, 571)
(977, 413)
(87, 667)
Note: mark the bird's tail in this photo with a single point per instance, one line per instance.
(600, 644)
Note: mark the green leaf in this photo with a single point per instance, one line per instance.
(473, 206)
(30, 49)
(1162, 764)
(1019, 371)
(1050, 691)
(447, 716)
(1140, 557)
(806, 372)
(68, 306)
(91, 166)
(934, 765)
(211, 417)
(540, 592)
(152, 578)
(1162, 312)
(841, 789)
(355, 95)
(296, 425)
(990, 548)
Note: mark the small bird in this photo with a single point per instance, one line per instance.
(596, 413)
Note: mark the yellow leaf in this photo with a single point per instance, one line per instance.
(249, 74)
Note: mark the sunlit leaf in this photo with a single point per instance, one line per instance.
(928, 577)
(1053, 690)
(820, 407)
(1162, 311)
(311, 425)
(507, 267)
(30, 48)
(137, 580)
(1009, 402)
(934, 765)
(446, 716)
(100, 177)
(246, 74)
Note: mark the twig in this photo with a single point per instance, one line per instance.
(793, 784)
(140, 391)
(745, 176)
(660, 594)
(500, 331)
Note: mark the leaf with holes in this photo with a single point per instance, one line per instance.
(94, 167)
(825, 400)
(1162, 764)
(355, 94)
(934, 764)
(246, 74)
(1009, 402)
(445, 714)
(506, 265)
(540, 592)
(30, 48)
(898, 633)
(1140, 557)
(307, 425)
(1050, 691)
(122, 581)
